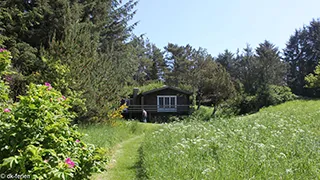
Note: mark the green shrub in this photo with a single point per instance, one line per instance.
(5, 57)
(279, 94)
(4, 64)
(248, 104)
(244, 103)
(204, 113)
(36, 138)
(241, 104)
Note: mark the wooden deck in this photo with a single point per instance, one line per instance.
(157, 109)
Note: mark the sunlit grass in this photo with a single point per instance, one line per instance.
(107, 136)
(281, 142)
(122, 141)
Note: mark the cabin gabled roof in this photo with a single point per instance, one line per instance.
(167, 87)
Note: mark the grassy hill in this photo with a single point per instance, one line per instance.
(281, 142)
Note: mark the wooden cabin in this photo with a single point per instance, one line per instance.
(159, 102)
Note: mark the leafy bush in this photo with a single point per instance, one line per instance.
(36, 138)
(275, 95)
(241, 104)
(4, 64)
(3, 92)
(5, 57)
(281, 94)
(313, 79)
(248, 104)
(204, 113)
(245, 103)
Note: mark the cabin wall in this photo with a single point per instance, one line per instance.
(149, 103)
(182, 99)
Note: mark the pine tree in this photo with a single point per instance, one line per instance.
(228, 61)
(270, 67)
(246, 68)
(90, 37)
(302, 53)
(180, 63)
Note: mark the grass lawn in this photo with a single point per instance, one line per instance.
(280, 142)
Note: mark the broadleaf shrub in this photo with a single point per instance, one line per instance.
(37, 139)
(244, 103)
(203, 113)
(273, 95)
(4, 64)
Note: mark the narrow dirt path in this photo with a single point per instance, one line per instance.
(124, 162)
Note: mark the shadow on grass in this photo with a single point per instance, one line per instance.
(140, 171)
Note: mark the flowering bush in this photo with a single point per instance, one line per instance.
(116, 113)
(36, 138)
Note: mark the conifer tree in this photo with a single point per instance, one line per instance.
(302, 53)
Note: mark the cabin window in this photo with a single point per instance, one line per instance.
(167, 103)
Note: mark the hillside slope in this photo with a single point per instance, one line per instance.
(281, 142)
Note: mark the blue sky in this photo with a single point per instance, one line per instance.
(224, 24)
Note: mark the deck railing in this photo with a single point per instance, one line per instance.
(157, 108)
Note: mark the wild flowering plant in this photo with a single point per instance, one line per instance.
(6, 110)
(69, 162)
(114, 114)
(279, 142)
(37, 138)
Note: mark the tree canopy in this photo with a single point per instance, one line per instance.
(88, 49)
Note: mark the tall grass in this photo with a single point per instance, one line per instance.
(281, 142)
(107, 136)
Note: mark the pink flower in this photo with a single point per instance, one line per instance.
(48, 85)
(6, 110)
(2, 49)
(62, 98)
(8, 78)
(69, 162)
(77, 141)
(46, 161)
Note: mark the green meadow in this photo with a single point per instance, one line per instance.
(279, 142)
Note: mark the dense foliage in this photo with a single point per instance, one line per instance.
(36, 135)
(302, 55)
(87, 49)
(84, 40)
(313, 80)
(37, 138)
